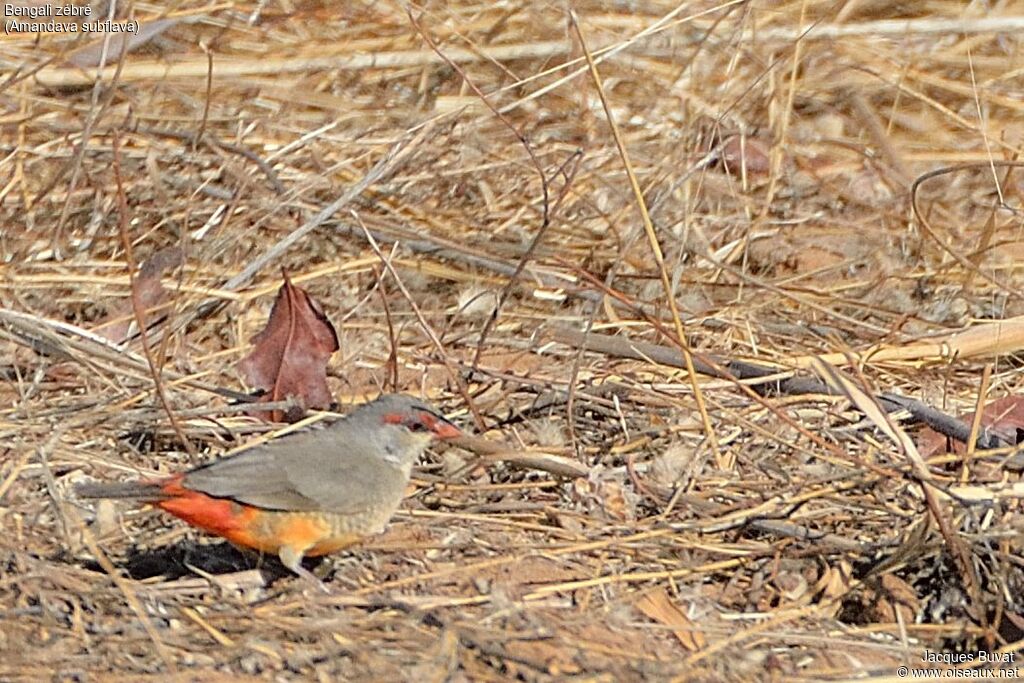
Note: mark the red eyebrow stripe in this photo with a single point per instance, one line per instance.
(428, 419)
(441, 428)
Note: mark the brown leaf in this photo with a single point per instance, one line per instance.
(835, 581)
(659, 607)
(670, 465)
(616, 502)
(291, 353)
(150, 292)
(896, 595)
(886, 600)
(744, 153)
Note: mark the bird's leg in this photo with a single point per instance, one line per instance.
(291, 558)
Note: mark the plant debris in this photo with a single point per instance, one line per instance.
(290, 355)
(542, 230)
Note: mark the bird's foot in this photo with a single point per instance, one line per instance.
(292, 559)
(310, 578)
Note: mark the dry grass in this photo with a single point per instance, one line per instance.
(795, 544)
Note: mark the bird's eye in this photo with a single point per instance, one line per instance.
(417, 426)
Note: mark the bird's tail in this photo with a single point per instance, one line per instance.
(137, 490)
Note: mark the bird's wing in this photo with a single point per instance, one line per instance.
(303, 472)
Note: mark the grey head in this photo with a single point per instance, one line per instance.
(398, 427)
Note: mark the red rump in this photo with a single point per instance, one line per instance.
(219, 516)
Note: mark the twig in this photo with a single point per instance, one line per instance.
(545, 222)
(198, 67)
(140, 313)
(65, 341)
(869, 406)
(979, 413)
(895, 27)
(452, 372)
(126, 591)
(213, 142)
(95, 114)
(397, 156)
(392, 361)
(767, 380)
(652, 239)
(928, 230)
(547, 462)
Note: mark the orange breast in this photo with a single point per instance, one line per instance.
(253, 527)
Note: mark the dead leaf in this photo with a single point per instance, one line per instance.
(475, 302)
(658, 606)
(616, 502)
(792, 586)
(669, 466)
(291, 353)
(835, 582)
(744, 154)
(151, 294)
(893, 595)
(106, 518)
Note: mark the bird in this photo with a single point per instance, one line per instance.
(307, 494)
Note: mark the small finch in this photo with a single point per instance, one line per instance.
(305, 494)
